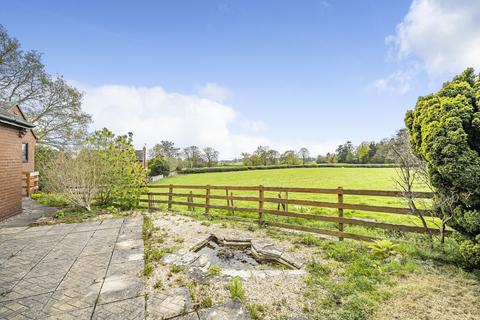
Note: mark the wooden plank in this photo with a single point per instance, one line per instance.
(351, 221)
(181, 186)
(246, 188)
(364, 207)
(313, 203)
(207, 199)
(340, 210)
(157, 193)
(360, 192)
(322, 231)
(29, 190)
(261, 202)
(170, 198)
(385, 193)
(301, 190)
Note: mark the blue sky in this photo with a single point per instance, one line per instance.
(283, 73)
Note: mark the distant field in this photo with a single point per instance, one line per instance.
(348, 178)
(352, 178)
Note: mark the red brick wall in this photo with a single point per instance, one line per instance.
(10, 172)
(27, 138)
(30, 139)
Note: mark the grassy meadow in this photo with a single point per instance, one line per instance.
(348, 178)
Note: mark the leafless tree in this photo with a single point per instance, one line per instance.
(75, 177)
(52, 104)
(410, 173)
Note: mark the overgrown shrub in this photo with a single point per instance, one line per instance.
(122, 177)
(445, 132)
(158, 166)
(104, 170)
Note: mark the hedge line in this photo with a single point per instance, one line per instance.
(284, 166)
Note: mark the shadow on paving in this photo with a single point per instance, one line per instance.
(31, 212)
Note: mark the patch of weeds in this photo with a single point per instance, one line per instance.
(153, 254)
(192, 288)
(383, 249)
(352, 282)
(252, 227)
(185, 309)
(275, 234)
(206, 303)
(214, 270)
(158, 284)
(50, 199)
(178, 240)
(175, 269)
(181, 281)
(147, 270)
(256, 311)
(237, 291)
(148, 228)
(205, 223)
(73, 215)
(308, 240)
(4, 293)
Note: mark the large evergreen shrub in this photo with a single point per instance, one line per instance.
(445, 132)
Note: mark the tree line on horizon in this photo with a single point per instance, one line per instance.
(166, 157)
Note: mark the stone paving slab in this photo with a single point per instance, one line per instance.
(129, 309)
(77, 271)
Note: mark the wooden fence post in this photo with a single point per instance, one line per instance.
(149, 202)
(261, 196)
(190, 200)
(279, 200)
(340, 212)
(207, 200)
(170, 197)
(226, 194)
(286, 201)
(29, 191)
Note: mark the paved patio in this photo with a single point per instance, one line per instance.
(73, 271)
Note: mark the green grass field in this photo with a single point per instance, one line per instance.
(351, 178)
(348, 178)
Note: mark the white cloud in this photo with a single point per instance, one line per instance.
(443, 34)
(153, 114)
(442, 37)
(398, 82)
(214, 92)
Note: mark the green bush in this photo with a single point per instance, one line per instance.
(383, 249)
(120, 174)
(158, 166)
(445, 130)
(50, 199)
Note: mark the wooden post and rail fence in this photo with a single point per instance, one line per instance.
(170, 198)
(30, 182)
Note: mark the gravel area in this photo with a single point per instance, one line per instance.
(278, 293)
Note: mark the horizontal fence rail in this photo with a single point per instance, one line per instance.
(283, 202)
(30, 182)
